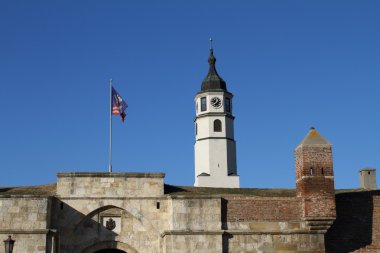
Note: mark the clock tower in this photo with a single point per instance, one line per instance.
(215, 146)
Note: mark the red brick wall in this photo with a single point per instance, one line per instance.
(245, 208)
(315, 181)
(318, 207)
(319, 158)
(315, 185)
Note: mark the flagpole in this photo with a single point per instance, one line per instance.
(110, 154)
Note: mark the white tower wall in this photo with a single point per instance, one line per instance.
(215, 152)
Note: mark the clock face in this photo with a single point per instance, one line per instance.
(216, 102)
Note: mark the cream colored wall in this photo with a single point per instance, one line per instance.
(82, 184)
(26, 219)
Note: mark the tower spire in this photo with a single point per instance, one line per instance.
(213, 82)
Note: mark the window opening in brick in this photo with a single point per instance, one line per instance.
(158, 205)
(311, 171)
(369, 173)
(322, 171)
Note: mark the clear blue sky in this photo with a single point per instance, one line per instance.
(290, 64)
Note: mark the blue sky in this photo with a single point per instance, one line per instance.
(290, 65)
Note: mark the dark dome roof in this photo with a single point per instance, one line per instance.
(213, 82)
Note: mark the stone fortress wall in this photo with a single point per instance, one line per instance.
(26, 218)
(137, 212)
(182, 219)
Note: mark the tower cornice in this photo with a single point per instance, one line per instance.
(216, 114)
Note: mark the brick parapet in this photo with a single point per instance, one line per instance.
(248, 208)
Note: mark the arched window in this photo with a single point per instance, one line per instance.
(311, 171)
(217, 126)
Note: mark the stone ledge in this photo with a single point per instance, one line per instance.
(30, 231)
(194, 197)
(111, 174)
(112, 198)
(328, 219)
(284, 232)
(192, 232)
(238, 232)
(24, 196)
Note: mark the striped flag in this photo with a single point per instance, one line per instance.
(118, 104)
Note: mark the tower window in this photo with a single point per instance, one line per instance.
(322, 171)
(228, 104)
(203, 104)
(311, 171)
(196, 128)
(217, 126)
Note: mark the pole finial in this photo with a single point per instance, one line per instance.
(211, 44)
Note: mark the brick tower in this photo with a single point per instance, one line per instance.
(315, 178)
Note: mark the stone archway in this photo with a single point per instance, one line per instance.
(109, 247)
(110, 251)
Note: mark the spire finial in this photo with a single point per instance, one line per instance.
(213, 81)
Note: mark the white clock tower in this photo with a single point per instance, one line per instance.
(215, 146)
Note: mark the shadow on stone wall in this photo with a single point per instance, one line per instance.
(226, 241)
(224, 203)
(352, 228)
(76, 230)
(226, 236)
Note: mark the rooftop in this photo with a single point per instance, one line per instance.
(213, 82)
(171, 190)
(314, 138)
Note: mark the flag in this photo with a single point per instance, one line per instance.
(118, 105)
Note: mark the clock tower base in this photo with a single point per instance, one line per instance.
(217, 181)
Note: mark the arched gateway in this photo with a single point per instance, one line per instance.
(110, 251)
(110, 247)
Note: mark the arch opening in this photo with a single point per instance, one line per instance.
(110, 251)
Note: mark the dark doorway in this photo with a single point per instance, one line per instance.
(110, 251)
